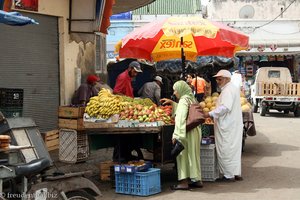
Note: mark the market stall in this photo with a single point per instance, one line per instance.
(109, 120)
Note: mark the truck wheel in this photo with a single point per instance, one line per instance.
(297, 112)
(79, 195)
(263, 110)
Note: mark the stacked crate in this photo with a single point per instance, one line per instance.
(105, 169)
(73, 146)
(71, 117)
(73, 141)
(11, 102)
(209, 164)
(51, 139)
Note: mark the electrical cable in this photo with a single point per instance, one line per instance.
(275, 17)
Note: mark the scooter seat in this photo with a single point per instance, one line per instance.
(32, 168)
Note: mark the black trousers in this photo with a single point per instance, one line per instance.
(123, 149)
(199, 97)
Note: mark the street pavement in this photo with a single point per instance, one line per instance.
(270, 167)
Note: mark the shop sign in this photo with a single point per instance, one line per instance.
(31, 5)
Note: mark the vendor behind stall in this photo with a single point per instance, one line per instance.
(123, 82)
(152, 90)
(123, 151)
(85, 91)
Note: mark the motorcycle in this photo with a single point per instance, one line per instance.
(25, 167)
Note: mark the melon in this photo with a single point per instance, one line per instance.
(208, 99)
(215, 98)
(246, 108)
(205, 110)
(215, 94)
(208, 104)
(202, 104)
(243, 100)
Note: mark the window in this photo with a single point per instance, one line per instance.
(274, 74)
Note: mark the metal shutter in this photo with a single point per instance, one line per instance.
(29, 60)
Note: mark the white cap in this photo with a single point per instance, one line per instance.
(223, 73)
(158, 78)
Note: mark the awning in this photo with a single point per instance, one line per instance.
(274, 47)
(119, 6)
(129, 5)
(105, 23)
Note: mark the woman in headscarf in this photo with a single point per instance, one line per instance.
(188, 161)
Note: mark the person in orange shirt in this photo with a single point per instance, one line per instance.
(198, 85)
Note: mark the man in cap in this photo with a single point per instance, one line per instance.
(85, 91)
(152, 90)
(228, 127)
(122, 151)
(123, 82)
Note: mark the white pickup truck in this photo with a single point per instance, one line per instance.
(273, 89)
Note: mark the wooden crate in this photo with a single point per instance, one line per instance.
(71, 117)
(278, 89)
(293, 89)
(51, 139)
(91, 125)
(271, 89)
(70, 112)
(104, 169)
(76, 124)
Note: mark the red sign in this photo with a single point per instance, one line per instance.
(31, 5)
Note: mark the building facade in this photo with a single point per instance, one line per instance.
(48, 61)
(272, 26)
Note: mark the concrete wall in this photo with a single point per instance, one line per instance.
(263, 9)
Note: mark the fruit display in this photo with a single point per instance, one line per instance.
(105, 105)
(246, 106)
(147, 113)
(144, 102)
(209, 102)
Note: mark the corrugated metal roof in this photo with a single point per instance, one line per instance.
(168, 7)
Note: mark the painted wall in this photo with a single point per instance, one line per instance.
(263, 9)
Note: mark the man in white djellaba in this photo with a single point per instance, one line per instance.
(228, 128)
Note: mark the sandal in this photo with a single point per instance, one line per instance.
(197, 184)
(176, 187)
(238, 178)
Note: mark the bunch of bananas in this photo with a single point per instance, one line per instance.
(105, 105)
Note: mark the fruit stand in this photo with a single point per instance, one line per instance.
(155, 139)
(110, 119)
(209, 103)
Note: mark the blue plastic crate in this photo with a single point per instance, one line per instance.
(132, 169)
(139, 183)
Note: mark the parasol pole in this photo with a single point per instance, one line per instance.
(182, 58)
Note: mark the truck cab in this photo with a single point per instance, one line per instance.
(273, 89)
